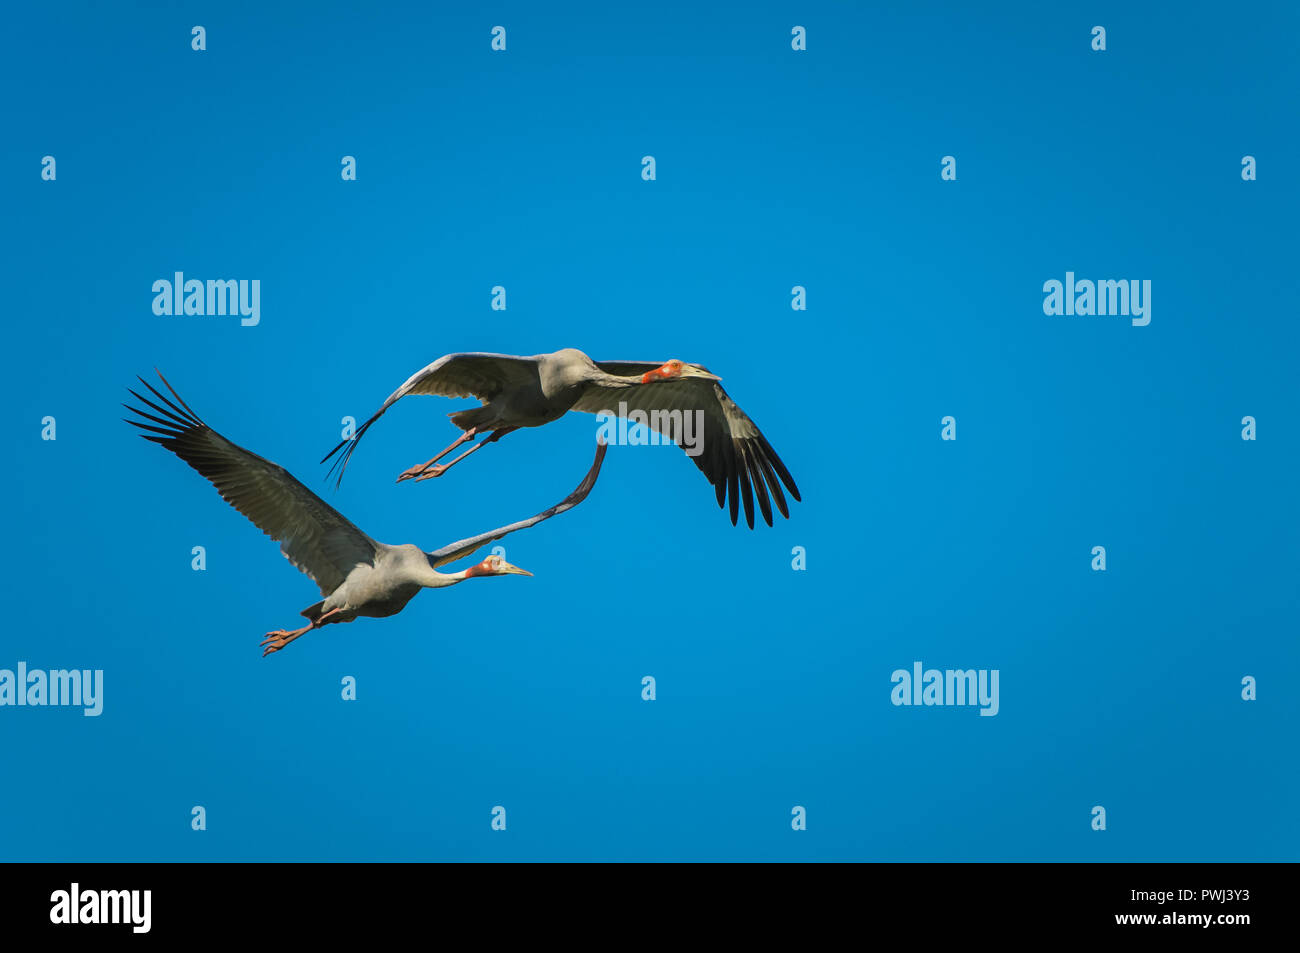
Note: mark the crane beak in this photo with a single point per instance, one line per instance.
(507, 569)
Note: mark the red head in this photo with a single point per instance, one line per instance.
(674, 369)
(495, 566)
(665, 372)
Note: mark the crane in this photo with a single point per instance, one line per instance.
(357, 575)
(531, 391)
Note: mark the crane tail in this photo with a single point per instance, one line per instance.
(313, 612)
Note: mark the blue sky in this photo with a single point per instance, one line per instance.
(775, 168)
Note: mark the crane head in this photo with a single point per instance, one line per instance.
(674, 370)
(496, 566)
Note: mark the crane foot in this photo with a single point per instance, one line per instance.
(432, 472)
(278, 639)
(412, 472)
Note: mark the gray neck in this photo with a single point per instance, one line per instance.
(430, 578)
(600, 379)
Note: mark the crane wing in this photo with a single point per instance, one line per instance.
(470, 374)
(735, 456)
(462, 548)
(315, 537)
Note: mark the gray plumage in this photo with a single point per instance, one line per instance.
(357, 575)
(532, 391)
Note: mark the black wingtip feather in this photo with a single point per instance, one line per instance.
(198, 420)
(348, 447)
(147, 416)
(756, 477)
(774, 485)
(780, 468)
(339, 446)
(746, 493)
(159, 430)
(733, 488)
(176, 424)
(173, 422)
(189, 419)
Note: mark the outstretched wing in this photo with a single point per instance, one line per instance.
(734, 455)
(471, 374)
(462, 548)
(314, 536)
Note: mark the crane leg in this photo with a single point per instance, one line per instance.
(278, 639)
(442, 468)
(419, 468)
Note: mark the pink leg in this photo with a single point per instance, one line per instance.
(444, 467)
(419, 468)
(278, 639)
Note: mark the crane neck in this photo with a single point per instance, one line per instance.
(430, 578)
(601, 379)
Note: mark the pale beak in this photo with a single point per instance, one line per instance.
(509, 570)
